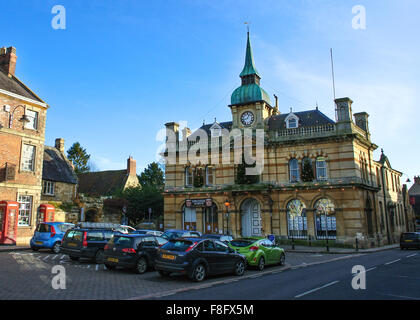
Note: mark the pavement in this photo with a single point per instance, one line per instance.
(287, 248)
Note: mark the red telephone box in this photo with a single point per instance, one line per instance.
(9, 211)
(46, 213)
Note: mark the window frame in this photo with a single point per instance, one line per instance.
(35, 117)
(189, 175)
(28, 210)
(318, 168)
(23, 166)
(50, 186)
(297, 179)
(212, 175)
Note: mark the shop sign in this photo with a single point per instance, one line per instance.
(198, 203)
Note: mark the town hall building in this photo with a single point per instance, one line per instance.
(319, 178)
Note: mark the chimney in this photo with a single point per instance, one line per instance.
(8, 60)
(185, 133)
(59, 144)
(131, 166)
(361, 120)
(417, 180)
(344, 109)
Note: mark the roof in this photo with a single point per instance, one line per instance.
(14, 85)
(306, 119)
(56, 167)
(414, 190)
(102, 183)
(249, 93)
(249, 67)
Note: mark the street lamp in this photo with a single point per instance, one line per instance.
(24, 118)
(227, 205)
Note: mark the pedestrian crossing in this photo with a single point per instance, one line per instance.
(56, 259)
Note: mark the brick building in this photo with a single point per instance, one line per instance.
(22, 135)
(318, 179)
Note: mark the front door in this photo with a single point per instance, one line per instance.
(190, 219)
(251, 218)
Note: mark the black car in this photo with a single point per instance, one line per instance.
(410, 240)
(221, 237)
(134, 251)
(86, 243)
(197, 258)
(174, 234)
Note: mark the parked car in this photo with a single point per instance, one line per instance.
(48, 235)
(173, 234)
(152, 232)
(221, 237)
(86, 243)
(124, 229)
(133, 251)
(197, 258)
(259, 252)
(410, 240)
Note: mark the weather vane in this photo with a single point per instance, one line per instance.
(247, 25)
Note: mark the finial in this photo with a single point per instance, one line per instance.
(317, 105)
(215, 119)
(382, 151)
(291, 109)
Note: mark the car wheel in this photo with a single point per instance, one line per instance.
(141, 265)
(74, 258)
(56, 247)
(282, 259)
(164, 273)
(240, 268)
(99, 257)
(34, 248)
(199, 273)
(261, 264)
(108, 266)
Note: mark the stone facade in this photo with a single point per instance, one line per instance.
(346, 193)
(21, 142)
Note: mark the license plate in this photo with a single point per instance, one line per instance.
(113, 260)
(408, 240)
(38, 242)
(168, 256)
(72, 244)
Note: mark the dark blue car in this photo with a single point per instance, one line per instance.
(48, 235)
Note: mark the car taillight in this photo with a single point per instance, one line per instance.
(52, 231)
(253, 248)
(191, 247)
(106, 247)
(129, 250)
(84, 244)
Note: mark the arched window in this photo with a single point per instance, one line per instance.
(325, 222)
(296, 218)
(321, 168)
(294, 170)
(189, 177)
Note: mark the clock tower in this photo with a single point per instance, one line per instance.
(250, 104)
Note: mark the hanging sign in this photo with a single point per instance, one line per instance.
(198, 203)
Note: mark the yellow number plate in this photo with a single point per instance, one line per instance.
(113, 260)
(168, 256)
(38, 242)
(72, 244)
(408, 240)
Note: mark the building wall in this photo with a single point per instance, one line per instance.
(11, 141)
(63, 192)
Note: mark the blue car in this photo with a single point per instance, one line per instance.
(48, 235)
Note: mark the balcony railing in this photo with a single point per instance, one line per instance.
(313, 131)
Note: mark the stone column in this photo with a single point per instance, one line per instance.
(310, 220)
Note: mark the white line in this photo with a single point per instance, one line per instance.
(370, 269)
(316, 289)
(412, 255)
(105, 267)
(55, 256)
(46, 257)
(392, 261)
(62, 256)
(97, 266)
(88, 266)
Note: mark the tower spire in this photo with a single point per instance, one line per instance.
(249, 67)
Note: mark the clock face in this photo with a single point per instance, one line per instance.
(247, 118)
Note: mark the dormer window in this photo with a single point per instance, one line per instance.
(292, 121)
(216, 130)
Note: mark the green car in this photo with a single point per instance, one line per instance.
(259, 252)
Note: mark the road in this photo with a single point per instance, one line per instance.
(391, 274)
(395, 275)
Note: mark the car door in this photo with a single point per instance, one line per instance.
(209, 253)
(266, 246)
(149, 246)
(225, 259)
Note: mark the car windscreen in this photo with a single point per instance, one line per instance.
(411, 236)
(172, 234)
(65, 226)
(122, 241)
(43, 227)
(242, 242)
(177, 245)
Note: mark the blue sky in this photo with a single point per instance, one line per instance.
(121, 69)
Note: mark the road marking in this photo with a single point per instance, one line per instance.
(97, 266)
(105, 267)
(397, 296)
(46, 257)
(392, 261)
(316, 289)
(63, 256)
(88, 266)
(370, 269)
(412, 255)
(55, 256)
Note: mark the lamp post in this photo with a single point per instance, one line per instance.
(227, 204)
(24, 118)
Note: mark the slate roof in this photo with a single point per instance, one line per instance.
(306, 119)
(102, 183)
(14, 85)
(56, 167)
(414, 190)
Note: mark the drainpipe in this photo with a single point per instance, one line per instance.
(385, 204)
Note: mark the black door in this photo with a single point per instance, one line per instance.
(210, 254)
(224, 257)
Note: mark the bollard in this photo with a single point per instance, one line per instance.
(357, 244)
(310, 240)
(293, 243)
(328, 247)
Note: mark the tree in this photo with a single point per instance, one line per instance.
(152, 176)
(307, 172)
(79, 157)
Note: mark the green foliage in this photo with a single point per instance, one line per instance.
(241, 176)
(80, 158)
(198, 178)
(307, 172)
(153, 175)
